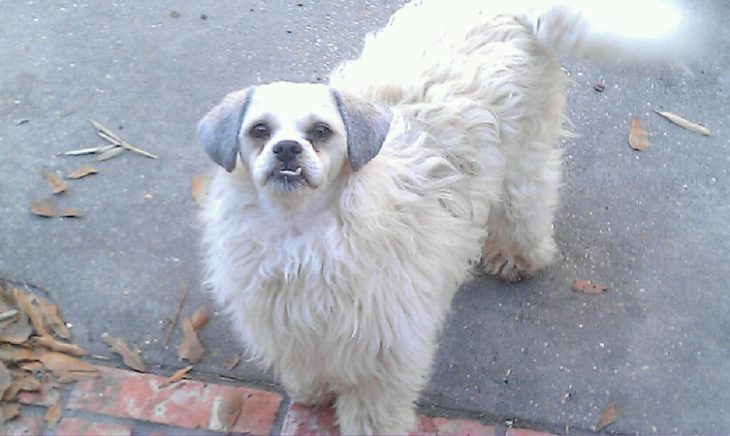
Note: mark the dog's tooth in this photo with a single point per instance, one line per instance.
(298, 171)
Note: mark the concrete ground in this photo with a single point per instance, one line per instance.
(653, 226)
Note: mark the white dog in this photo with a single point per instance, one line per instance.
(349, 213)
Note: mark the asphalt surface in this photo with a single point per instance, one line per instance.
(653, 226)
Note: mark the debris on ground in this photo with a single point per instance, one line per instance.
(130, 357)
(638, 137)
(587, 287)
(117, 141)
(48, 208)
(57, 185)
(82, 172)
(608, 417)
(34, 353)
(191, 349)
(685, 123)
(177, 376)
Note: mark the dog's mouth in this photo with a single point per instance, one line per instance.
(288, 178)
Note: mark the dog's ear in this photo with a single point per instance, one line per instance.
(366, 126)
(219, 128)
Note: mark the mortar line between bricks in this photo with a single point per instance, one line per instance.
(134, 424)
(281, 415)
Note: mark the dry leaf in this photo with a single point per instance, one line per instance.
(199, 318)
(638, 137)
(9, 410)
(27, 383)
(25, 303)
(61, 347)
(53, 319)
(130, 357)
(60, 364)
(177, 376)
(53, 414)
(109, 154)
(31, 366)
(5, 379)
(226, 415)
(199, 189)
(190, 349)
(18, 332)
(70, 212)
(684, 123)
(82, 172)
(608, 417)
(45, 207)
(233, 362)
(586, 287)
(74, 376)
(12, 353)
(57, 185)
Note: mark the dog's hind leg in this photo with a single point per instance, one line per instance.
(520, 228)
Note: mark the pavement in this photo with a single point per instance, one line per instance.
(652, 226)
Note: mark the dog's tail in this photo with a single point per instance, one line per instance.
(632, 30)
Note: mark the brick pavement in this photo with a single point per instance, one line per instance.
(123, 402)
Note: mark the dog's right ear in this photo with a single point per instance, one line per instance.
(219, 128)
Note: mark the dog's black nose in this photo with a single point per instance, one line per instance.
(286, 151)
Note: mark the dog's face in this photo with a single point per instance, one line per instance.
(293, 138)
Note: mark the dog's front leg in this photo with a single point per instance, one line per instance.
(305, 390)
(384, 407)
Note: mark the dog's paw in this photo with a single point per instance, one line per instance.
(510, 262)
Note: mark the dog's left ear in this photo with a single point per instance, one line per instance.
(219, 128)
(366, 126)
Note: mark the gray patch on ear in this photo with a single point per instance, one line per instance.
(218, 130)
(366, 126)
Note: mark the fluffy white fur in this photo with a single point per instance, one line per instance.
(342, 281)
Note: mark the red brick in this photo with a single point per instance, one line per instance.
(308, 421)
(453, 427)
(188, 404)
(524, 432)
(81, 427)
(24, 425)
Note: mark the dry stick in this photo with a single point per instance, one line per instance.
(114, 139)
(186, 290)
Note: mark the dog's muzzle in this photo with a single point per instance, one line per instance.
(289, 174)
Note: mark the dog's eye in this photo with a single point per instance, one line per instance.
(260, 131)
(320, 132)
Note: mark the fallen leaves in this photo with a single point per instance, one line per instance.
(190, 348)
(685, 123)
(53, 414)
(226, 415)
(48, 208)
(57, 185)
(62, 347)
(638, 137)
(30, 354)
(587, 287)
(608, 417)
(67, 368)
(177, 376)
(84, 171)
(131, 358)
(199, 318)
